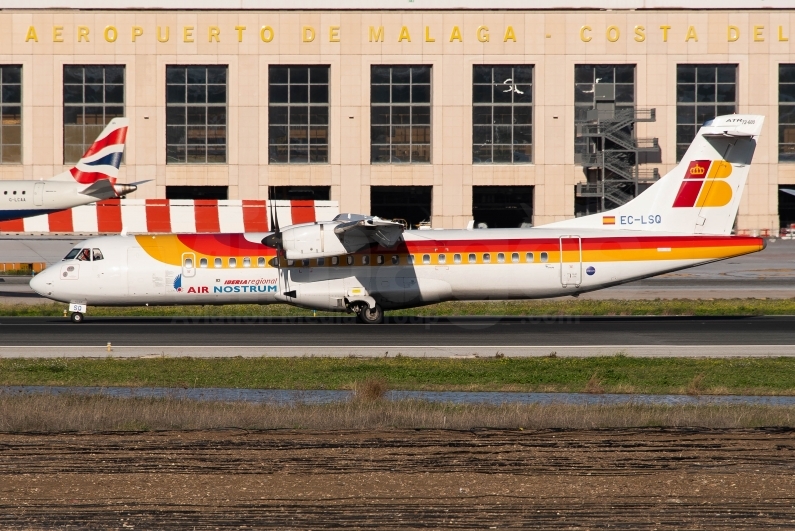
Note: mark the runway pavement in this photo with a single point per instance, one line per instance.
(470, 336)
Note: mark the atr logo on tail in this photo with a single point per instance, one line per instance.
(704, 185)
(103, 158)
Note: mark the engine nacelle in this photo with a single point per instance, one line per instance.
(311, 240)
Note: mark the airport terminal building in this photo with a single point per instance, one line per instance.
(512, 113)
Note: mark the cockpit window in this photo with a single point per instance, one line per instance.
(72, 254)
(96, 254)
(84, 255)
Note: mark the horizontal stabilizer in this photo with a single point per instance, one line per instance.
(101, 189)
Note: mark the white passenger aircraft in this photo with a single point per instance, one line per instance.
(92, 179)
(366, 264)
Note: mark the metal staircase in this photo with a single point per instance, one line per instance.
(612, 161)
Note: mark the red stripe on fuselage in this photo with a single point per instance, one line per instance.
(224, 245)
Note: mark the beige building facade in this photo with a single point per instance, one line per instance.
(451, 41)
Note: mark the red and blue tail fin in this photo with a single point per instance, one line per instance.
(103, 158)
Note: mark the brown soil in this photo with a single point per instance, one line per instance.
(399, 479)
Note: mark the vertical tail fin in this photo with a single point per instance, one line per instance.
(103, 158)
(701, 195)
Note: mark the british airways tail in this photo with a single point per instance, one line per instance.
(701, 195)
(98, 168)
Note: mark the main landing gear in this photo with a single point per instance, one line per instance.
(367, 315)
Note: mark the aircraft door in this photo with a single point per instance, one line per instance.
(570, 261)
(188, 265)
(38, 194)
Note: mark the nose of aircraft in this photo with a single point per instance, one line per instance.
(42, 283)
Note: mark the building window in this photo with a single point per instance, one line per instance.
(502, 114)
(11, 113)
(786, 113)
(702, 93)
(93, 95)
(195, 114)
(298, 111)
(400, 114)
(605, 88)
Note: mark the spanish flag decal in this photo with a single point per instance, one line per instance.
(608, 220)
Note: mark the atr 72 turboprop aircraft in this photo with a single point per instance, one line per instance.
(92, 179)
(365, 264)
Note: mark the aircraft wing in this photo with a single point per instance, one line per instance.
(362, 231)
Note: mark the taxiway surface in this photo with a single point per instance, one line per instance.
(461, 336)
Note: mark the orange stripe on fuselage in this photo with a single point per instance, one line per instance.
(170, 248)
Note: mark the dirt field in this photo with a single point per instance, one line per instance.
(399, 479)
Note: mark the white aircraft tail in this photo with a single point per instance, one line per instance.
(699, 196)
(102, 159)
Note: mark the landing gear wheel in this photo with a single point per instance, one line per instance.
(374, 315)
(77, 317)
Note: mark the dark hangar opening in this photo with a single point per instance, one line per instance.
(197, 192)
(502, 207)
(411, 203)
(300, 193)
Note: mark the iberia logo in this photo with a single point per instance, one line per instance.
(705, 185)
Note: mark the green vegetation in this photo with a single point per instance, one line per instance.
(616, 374)
(717, 307)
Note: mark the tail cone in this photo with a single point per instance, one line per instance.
(124, 189)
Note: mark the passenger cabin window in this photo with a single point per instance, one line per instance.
(188, 262)
(72, 254)
(515, 258)
(395, 259)
(501, 258)
(544, 257)
(473, 259)
(528, 257)
(379, 259)
(426, 259)
(246, 261)
(442, 259)
(486, 258)
(456, 258)
(335, 260)
(261, 261)
(321, 262)
(350, 260)
(305, 263)
(410, 259)
(365, 260)
(202, 262)
(233, 262)
(217, 262)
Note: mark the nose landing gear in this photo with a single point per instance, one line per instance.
(77, 317)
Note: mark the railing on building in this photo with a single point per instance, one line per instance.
(615, 154)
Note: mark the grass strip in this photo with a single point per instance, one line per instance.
(547, 307)
(43, 414)
(616, 374)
